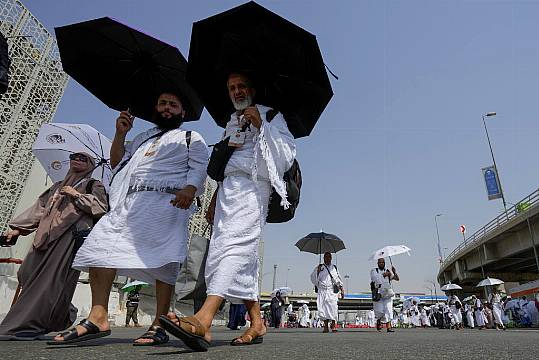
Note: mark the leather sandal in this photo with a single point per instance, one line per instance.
(250, 337)
(194, 341)
(155, 333)
(71, 336)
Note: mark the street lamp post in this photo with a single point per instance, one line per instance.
(286, 282)
(438, 236)
(493, 160)
(434, 285)
(346, 277)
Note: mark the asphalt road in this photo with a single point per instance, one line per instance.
(302, 344)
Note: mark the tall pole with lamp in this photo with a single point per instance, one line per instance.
(493, 160)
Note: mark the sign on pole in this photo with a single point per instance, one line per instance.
(462, 229)
(492, 183)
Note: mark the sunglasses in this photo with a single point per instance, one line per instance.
(78, 157)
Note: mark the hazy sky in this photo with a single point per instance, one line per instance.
(401, 140)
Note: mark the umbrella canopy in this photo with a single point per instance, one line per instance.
(390, 250)
(283, 290)
(320, 243)
(408, 302)
(133, 284)
(489, 282)
(282, 59)
(265, 305)
(303, 301)
(125, 68)
(55, 142)
(467, 298)
(449, 287)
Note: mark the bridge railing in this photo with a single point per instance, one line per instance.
(514, 211)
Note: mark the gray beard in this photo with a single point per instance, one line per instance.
(242, 105)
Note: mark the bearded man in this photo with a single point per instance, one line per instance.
(144, 236)
(265, 150)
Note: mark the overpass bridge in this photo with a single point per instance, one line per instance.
(506, 248)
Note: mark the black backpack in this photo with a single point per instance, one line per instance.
(293, 181)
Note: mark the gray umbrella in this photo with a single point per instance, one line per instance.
(320, 243)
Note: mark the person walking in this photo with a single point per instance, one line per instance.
(133, 299)
(327, 280)
(381, 279)
(60, 218)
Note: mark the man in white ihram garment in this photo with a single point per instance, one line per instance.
(478, 312)
(468, 309)
(495, 300)
(238, 211)
(381, 279)
(304, 320)
(455, 306)
(327, 279)
(144, 236)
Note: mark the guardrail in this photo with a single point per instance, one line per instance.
(514, 211)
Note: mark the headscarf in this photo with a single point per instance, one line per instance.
(60, 213)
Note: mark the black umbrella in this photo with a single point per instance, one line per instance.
(320, 243)
(125, 68)
(282, 59)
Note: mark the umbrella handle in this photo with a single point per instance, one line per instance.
(390, 261)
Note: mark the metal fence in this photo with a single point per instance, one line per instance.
(517, 210)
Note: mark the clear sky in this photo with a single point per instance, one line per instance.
(401, 140)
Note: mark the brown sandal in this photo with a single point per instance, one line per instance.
(250, 337)
(195, 341)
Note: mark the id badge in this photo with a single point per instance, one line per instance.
(237, 139)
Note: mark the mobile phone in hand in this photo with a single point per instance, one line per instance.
(5, 243)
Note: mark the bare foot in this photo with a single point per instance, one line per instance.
(259, 329)
(207, 333)
(102, 324)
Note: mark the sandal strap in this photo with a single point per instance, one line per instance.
(187, 322)
(248, 335)
(89, 326)
(70, 334)
(156, 333)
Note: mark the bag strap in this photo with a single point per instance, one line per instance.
(188, 138)
(270, 114)
(331, 276)
(90, 185)
(123, 164)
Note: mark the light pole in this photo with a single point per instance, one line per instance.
(430, 289)
(438, 236)
(346, 277)
(434, 285)
(493, 160)
(286, 282)
(274, 275)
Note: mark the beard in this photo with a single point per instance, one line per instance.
(243, 104)
(164, 123)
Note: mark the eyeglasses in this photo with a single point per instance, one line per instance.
(78, 157)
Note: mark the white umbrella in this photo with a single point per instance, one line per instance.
(302, 301)
(449, 287)
(489, 282)
(283, 290)
(468, 298)
(389, 251)
(408, 302)
(55, 142)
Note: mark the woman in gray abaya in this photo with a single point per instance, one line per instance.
(58, 217)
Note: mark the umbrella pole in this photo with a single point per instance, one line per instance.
(320, 250)
(390, 261)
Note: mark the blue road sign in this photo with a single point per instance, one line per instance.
(491, 182)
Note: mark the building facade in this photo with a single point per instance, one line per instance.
(36, 85)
